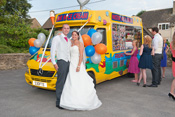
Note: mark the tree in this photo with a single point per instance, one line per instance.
(10, 7)
(140, 13)
(15, 28)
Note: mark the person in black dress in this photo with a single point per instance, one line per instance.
(146, 59)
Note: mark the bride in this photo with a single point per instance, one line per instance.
(79, 92)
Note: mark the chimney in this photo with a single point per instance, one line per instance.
(173, 7)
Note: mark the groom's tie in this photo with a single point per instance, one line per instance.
(66, 39)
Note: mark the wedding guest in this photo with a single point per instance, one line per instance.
(157, 44)
(172, 47)
(145, 62)
(133, 64)
(164, 60)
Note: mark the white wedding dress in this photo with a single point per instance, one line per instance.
(78, 92)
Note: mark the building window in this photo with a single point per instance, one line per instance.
(160, 27)
(163, 26)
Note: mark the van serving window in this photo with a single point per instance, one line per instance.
(123, 35)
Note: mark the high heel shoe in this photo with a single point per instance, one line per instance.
(171, 96)
(138, 84)
(144, 85)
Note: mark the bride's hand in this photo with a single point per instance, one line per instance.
(78, 69)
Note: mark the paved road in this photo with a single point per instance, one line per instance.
(120, 98)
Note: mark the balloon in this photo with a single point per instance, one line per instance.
(96, 38)
(33, 50)
(91, 32)
(37, 43)
(31, 41)
(89, 51)
(101, 48)
(83, 2)
(96, 58)
(86, 40)
(42, 37)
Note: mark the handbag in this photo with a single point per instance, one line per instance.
(173, 58)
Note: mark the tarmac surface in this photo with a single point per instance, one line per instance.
(120, 98)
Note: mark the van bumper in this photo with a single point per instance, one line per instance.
(51, 82)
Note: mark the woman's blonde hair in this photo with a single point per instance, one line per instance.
(173, 41)
(136, 42)
(148, 40)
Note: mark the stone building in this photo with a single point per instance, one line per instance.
(164, 19)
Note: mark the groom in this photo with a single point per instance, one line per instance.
(61, 48)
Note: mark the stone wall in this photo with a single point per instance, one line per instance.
(13, 61)
(19, 60)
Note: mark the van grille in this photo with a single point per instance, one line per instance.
(45, 73)
(41, 80)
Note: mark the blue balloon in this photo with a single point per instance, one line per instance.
(33, 50)
(90, 51)
(91, 32)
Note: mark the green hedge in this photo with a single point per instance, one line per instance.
(15, 33)
(5, 49)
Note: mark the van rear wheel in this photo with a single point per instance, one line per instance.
(91, 74)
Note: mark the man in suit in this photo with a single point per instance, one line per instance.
(157, 44)
(61, 48)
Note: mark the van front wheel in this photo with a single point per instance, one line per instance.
(91, 74)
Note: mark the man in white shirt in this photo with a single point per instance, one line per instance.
(157, 44)
(61, 48)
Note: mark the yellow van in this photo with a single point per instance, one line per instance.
(117, 30)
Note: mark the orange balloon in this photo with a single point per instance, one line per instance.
(86, 39)
(31, 41)
(100, 48)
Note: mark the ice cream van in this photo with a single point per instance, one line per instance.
(117, 31)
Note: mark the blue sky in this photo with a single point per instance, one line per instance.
(124, 7)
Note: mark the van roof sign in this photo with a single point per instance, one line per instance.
(120, 18)
(72, 16)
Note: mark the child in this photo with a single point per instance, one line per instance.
(133, 64)
(146, 59)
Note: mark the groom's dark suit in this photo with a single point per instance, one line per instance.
(60, 47)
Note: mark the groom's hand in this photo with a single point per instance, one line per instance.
(56, 67)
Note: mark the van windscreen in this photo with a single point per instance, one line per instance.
(59, 30)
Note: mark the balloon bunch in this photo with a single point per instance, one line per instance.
(35, 44)
(94, 52)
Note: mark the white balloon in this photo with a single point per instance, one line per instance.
(83, 2)
(96, 38)
(96, 58)
(42, 37)
(37, 43)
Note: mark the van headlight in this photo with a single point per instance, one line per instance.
(56, 75)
